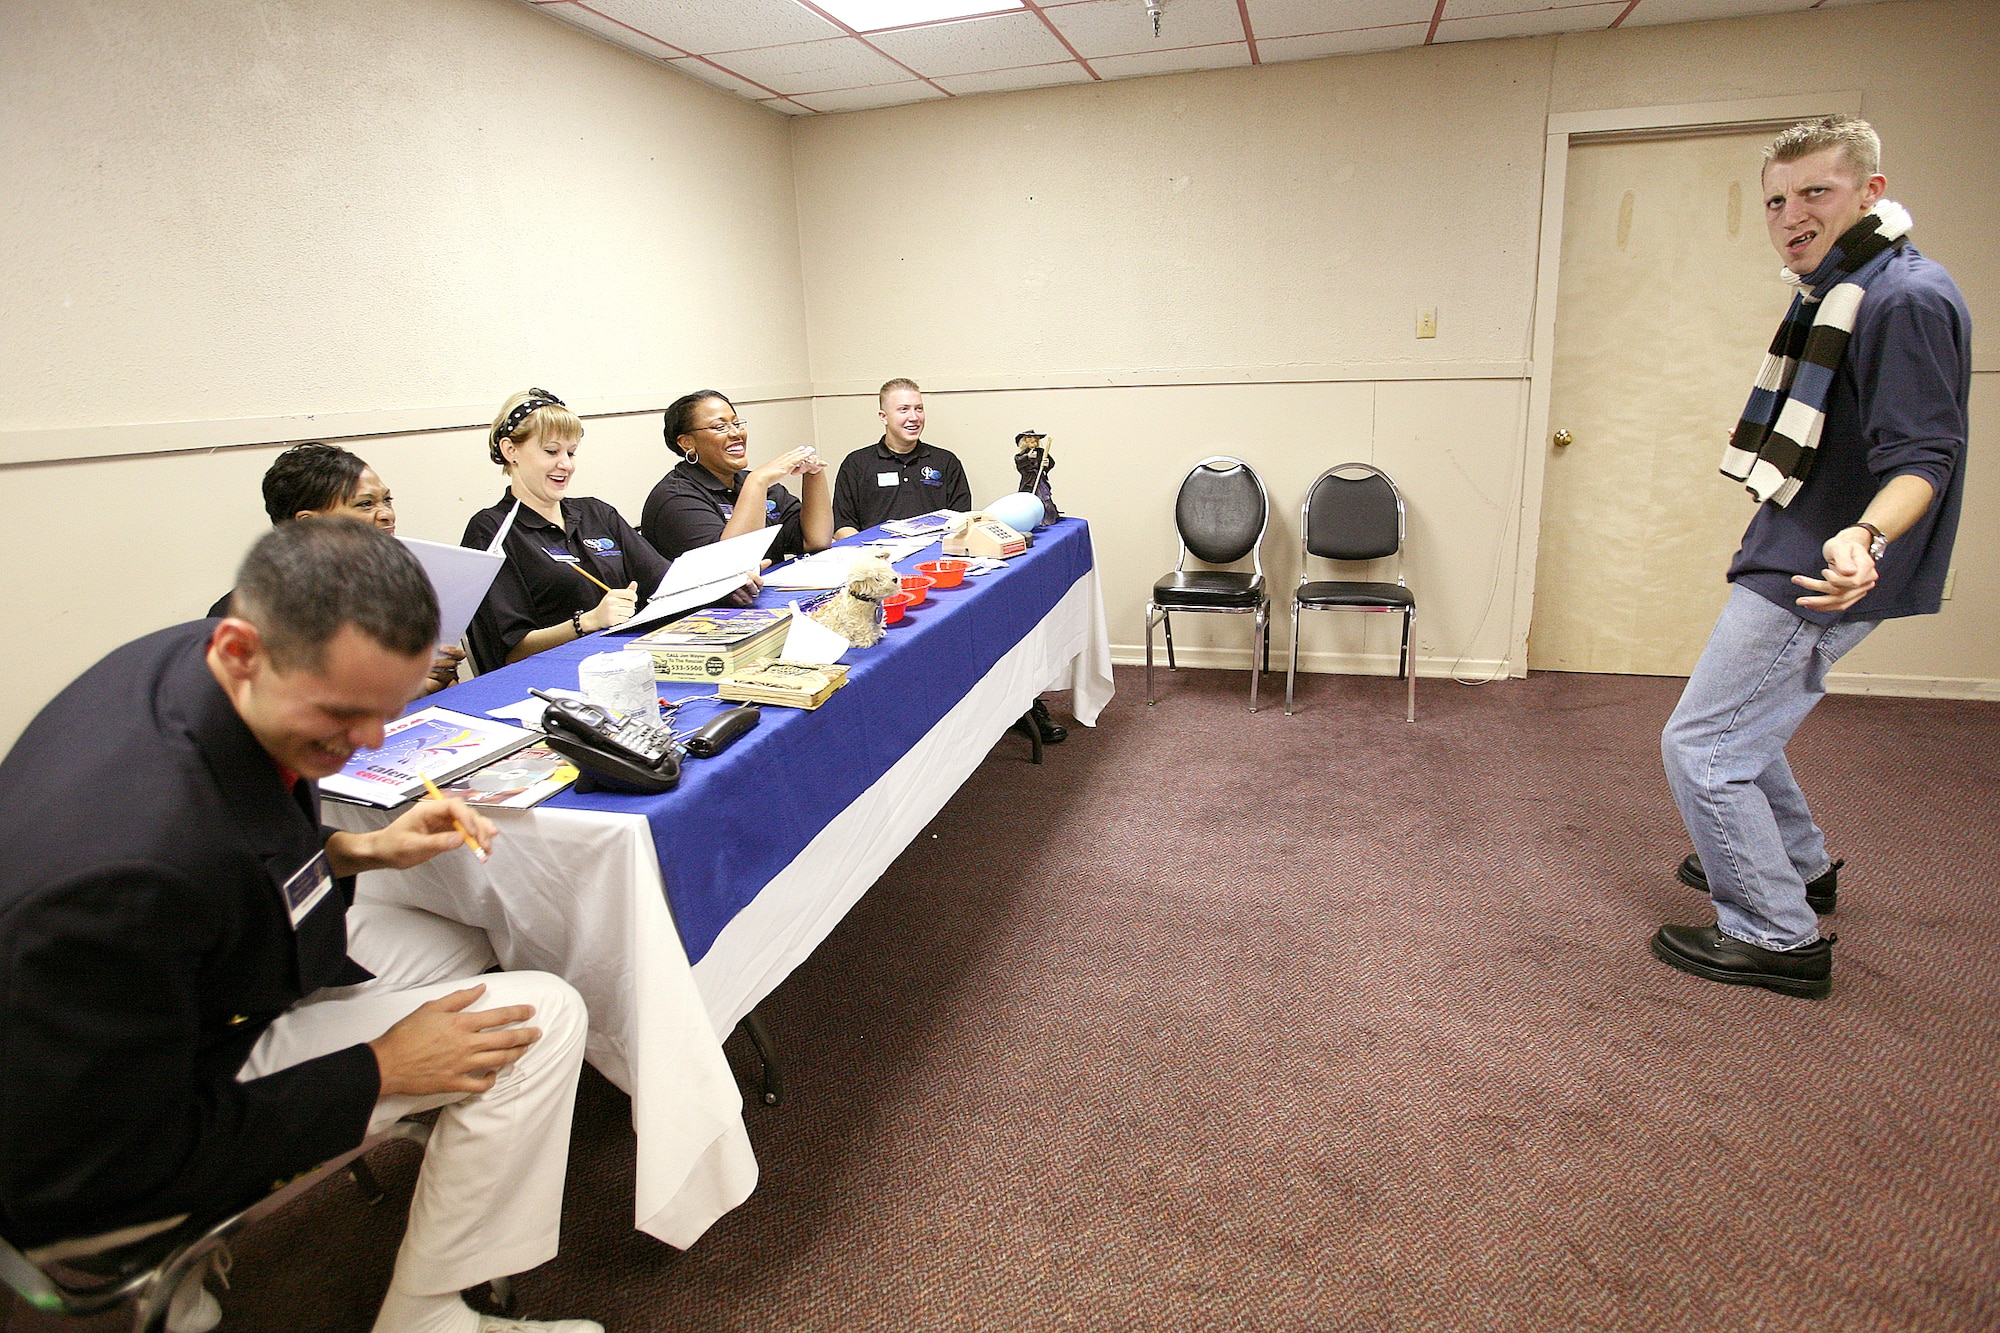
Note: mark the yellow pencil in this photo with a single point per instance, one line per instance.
(592, 577)
(465, 832)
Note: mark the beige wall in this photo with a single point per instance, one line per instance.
(234, 223)
(227, 226)
(1159, 269)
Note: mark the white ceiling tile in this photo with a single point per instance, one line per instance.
(1290, 18)
(814, 67)
(975, 46)
(1528, 11)
(861, 99)
(1173, 62)
(646, 44)
(1120, 27)
(872, 16)
(719, 78)
(1692, 11)
(1570, 18)
(1276, 50)
(703, 27)
(1005, 80)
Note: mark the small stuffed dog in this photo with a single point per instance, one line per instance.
(856, 614)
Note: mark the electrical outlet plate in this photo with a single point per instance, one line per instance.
(1950, 577)
(1427, 322)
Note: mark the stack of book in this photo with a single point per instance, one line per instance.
(711, 644)
(792, 684)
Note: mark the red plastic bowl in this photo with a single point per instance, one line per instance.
(916, 587)
(944, 573)
(892, 607)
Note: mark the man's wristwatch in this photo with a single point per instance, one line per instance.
(1877, 543)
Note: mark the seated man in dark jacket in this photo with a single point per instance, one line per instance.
(180, 1024)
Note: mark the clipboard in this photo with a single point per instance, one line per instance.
(460, 576)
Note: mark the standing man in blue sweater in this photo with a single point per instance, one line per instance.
(1853, 442)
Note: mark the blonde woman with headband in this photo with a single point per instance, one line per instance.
(552, 541)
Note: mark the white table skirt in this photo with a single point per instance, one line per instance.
(578, 893)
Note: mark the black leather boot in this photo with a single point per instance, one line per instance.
(1053, 733)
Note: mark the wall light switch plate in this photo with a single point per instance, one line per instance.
(1950, 577)
(1427, 322)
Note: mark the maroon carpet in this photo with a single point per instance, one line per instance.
(1217, 1021)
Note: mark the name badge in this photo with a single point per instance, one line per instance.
(310, 883)
(557, 553)
(888, 479)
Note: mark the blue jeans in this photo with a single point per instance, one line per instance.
(1724, 748)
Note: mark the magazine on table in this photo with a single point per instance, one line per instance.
(431, 742)
(515, 781)
(935, 521)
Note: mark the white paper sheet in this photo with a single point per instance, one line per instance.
(810, 642)
(700, 576)
(460, 576)
(528, 712)
(825, 569)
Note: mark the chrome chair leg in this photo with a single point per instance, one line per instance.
(1256, 632)
(1149, 654)
(1292, 671)
(1409, 666)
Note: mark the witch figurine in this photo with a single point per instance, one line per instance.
(1034, 460)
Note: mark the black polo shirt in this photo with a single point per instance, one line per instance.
(538, 587)
(690, 506)
(877, 484)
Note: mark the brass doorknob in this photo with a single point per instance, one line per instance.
(1564, 439)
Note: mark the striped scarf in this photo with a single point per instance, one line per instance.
(1771, 450)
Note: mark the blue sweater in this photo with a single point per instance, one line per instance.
(1897, 407)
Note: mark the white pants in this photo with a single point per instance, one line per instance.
(489, 1198)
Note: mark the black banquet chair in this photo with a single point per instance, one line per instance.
(1221, 513)
(1353, 512)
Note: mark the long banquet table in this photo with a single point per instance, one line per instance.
(675, 914)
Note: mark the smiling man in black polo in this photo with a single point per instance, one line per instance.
(899, 476)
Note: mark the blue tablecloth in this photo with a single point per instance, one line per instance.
(737, 820)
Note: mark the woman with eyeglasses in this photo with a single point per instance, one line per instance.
(319, 480)
(713, 492)
(562, 550)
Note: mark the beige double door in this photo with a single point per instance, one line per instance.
(1669, 295)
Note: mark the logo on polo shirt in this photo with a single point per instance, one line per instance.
(602, 545)
(933, 477)
(770, 507)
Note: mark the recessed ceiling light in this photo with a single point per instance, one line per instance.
(874, 15)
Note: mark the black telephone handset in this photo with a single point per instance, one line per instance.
(611, 753)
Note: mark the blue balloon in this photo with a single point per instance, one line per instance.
(1020, 510)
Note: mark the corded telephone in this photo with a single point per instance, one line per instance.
(611, 753)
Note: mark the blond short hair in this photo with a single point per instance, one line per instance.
(882, 394)
(550, 421)
(1856, 139)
